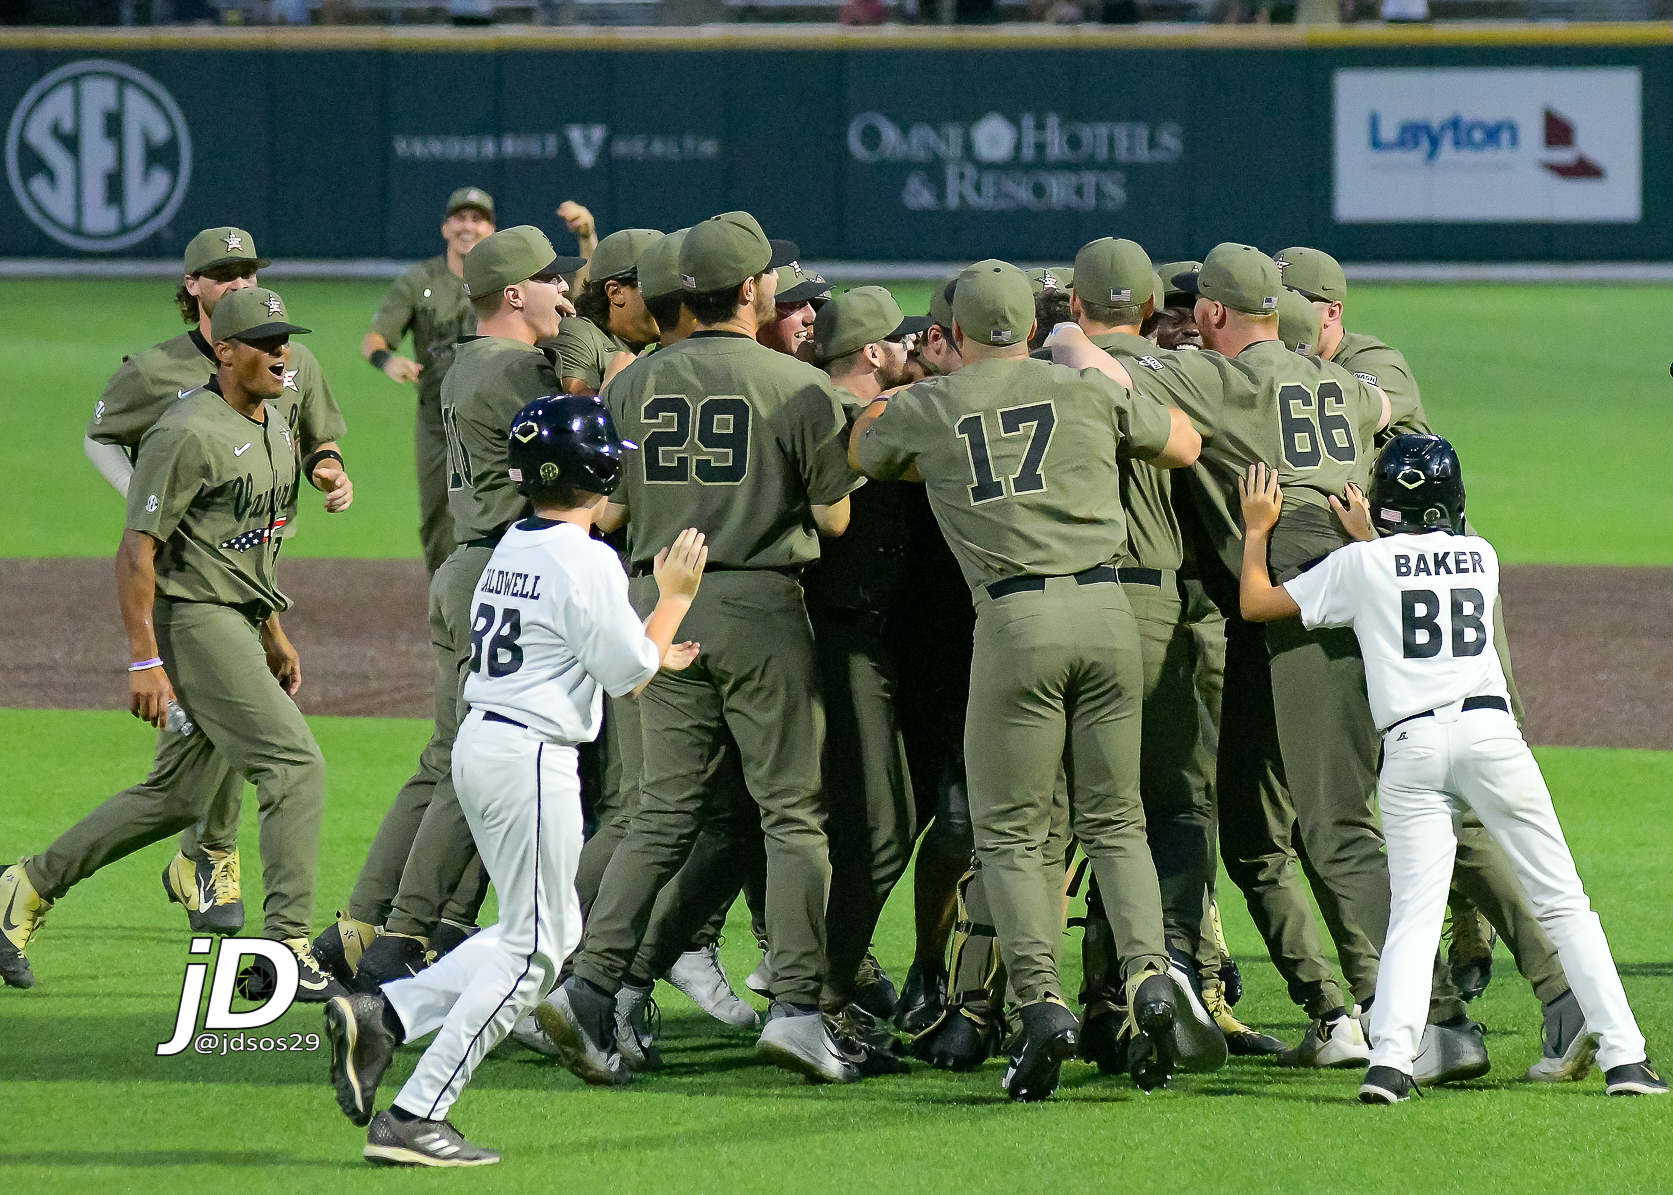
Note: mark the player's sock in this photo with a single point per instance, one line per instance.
(392, 1021)
(402, 1115)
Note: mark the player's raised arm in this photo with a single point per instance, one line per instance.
(1259, 598)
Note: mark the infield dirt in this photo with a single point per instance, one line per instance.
(1591, 647)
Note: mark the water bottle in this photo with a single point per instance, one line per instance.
(179, 720)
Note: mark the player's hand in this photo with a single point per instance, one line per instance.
(681, 656)
(1356, 515)
(282, 660)
(565, 307)
(679, 567)
(1261, 498)
(339, 490)
(578, 220)
(402, 369)
(149, 693)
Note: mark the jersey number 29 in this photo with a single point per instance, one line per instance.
(722, 439)
(501, 652)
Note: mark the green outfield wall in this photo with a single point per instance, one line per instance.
(1463, 144)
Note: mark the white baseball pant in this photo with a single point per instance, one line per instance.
(522, 798)
(1433, 769)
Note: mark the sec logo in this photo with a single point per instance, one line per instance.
(98, 155)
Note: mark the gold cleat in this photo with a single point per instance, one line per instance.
(22, 910)
(207, 888)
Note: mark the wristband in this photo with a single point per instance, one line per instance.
(312, 460)
(380, 358)
(143, 665)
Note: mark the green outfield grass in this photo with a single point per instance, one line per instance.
(1562, 444)
(88, 1106)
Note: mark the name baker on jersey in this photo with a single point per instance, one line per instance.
(517, 585)
(1451, 563)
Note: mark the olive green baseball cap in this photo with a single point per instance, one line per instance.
(1173, 296)
(1298, 322)
(994, 304)
(860, 317)
(471, 197)
(252, 313)
(724, 250)
(222, 247)
(1314, 273)
(659, 266)
(1239, 276)
(941, 302)
(619, 253)
(796, 284)
(1052, 279)
(1114, 272)
(510, 256)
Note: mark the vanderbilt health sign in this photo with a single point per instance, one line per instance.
(1560, 145)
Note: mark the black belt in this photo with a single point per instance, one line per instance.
(1140, 576)
(1098, 574)
(491, 716)
(1470, 703)
(644, 568)
(487, 541)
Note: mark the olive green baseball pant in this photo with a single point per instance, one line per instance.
(1056, 681)
(435, 524)
(755, 687)
(246, 724)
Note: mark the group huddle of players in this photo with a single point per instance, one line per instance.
(871, 685)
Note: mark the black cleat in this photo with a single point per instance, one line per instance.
(1039, 1050)
(1633, 1078)
(392, 956)
(874, 991)
(1231, 981)
(922, 1000)
(1100, 1038)
(1385, 1085)
(314, 985)
(392, 1142)
(340, 945)
(446, 937)
(1469, 953)
(361, 1047)
(1150, 1051)
(960, 1041)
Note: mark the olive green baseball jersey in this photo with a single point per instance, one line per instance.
(213, 486)
(428, 301)
(735, 440)
(1019, 459)
(863, 568)
(1153, 539)
(490, 380)
(1311, 420)
(585, 350)
(1373, 361)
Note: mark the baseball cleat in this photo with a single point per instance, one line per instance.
(1469, 954)
(528, 1032)
(1241, 1040)
(1231, 978)
(867, 1044)
(1450, 1053)
(1198, 1044)
(580, 1019)
(874, 991)
(700, 975)
(207, 888)
(760, 980)
(1633, 1078)
(635, 1040)
(1044, 1043)
(390, 957)
(361, 1047)
(966, 1036)
(1101, 1040)
(1152, 1024)
(21, 912)
(340, 945)
(1569, 1050)
(800, 1040)
(1385, 1085)
(1334, 1041)
(313, 985)
(391, 1142)
(446, 937)
(923, 998)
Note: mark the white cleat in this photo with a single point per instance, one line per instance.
(635, 1041)
(1330, 1044)
(802, 1042)
(527, 1032)
(700, 975)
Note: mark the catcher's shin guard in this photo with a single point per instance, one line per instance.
(971, 1028)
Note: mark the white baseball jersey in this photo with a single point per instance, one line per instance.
(1422, 606)
(551, 627)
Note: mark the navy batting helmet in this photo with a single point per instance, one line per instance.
(566, 439)
(1417, 485)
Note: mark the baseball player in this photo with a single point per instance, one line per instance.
(798, 299)
(552, 631)
(422, 881)
(429, 302)
(1449, 741)
(203, 877)
(1056, 676)
(611, 324)
(197, 585)
(745, 444)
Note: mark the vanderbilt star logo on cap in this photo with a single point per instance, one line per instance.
(1282, 263)
(234, 242)
(275, 305)
(290, 379)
